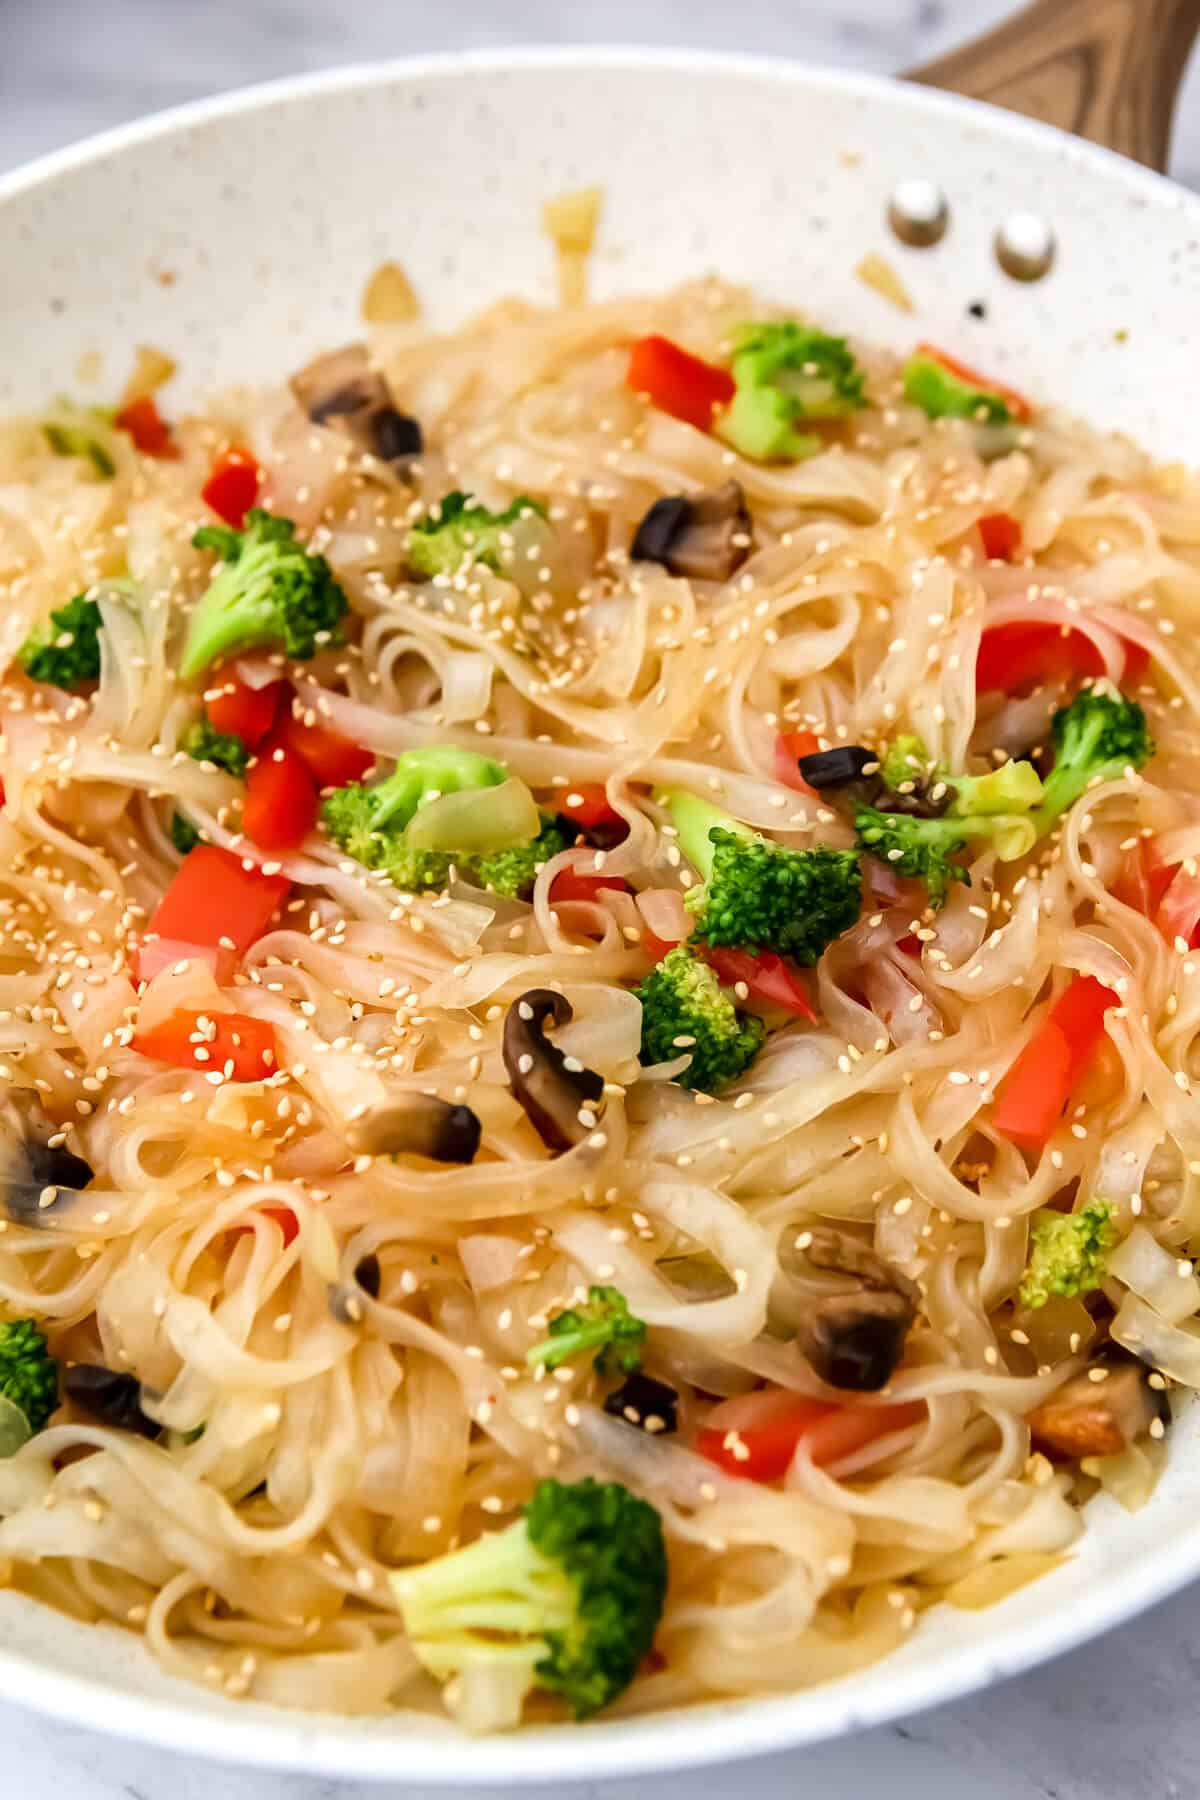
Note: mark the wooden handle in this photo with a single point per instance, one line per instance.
(1108, 70)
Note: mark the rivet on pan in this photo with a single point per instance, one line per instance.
(917, 213)
(1025, 246)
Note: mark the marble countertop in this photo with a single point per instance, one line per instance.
(1109, 1722)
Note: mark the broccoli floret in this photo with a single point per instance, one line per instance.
(785, 373)
(605, 1325)
(28, 1372)
(512, 873)
(67, 650)
(760, 895)
(568, 1598)
(922, 816)
(685, 1008)
(220, 747)
(1096, 738)
(370, 822)
(270, 590)
(944, 395)
(183, 833)
(459, 532)
(1068, 1253)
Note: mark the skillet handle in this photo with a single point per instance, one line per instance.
(1108, 70)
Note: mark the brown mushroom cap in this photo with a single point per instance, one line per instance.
(342, 390)
(854, 1337)
(37, 1179)
(554, 1089)
(419, 1124)
(1100, 1412)
(705, 537)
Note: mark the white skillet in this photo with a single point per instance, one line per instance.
(238, 234)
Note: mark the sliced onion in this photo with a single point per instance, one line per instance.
(257, 671)
(1172, 1349)
(1166, 1282)
(665, 914)
(466, 686)
(477, 820)
(1131, 1477)
(490, 1261)
(995, 1581)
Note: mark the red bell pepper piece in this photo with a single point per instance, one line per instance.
(1018, 405)
(1016, 655)
(757, 1435)
(1001, 536)
(678, 383)
(909, 944)
(280, 807)
(587, 805)
(1038, 1086)
(241, 1048)
(571, 884)
(767, 977)
(331, 759)
(790, 746)
(248, 713)
(149, 430)
(232, 486)
(214, 909)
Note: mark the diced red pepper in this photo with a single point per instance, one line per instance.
(241, 1048)
(678, 383)
(1017, 404)
(213, 897)
(234, 706)
(280, 807)
(149, 430)
(570, 884)
(232, 486)
(1001, 536)
(331, 759)
(1038, 1086)
(1178, 914)
(790, 746)
(909, 944)
(1144, 879)
(587, 805)
(655, 947)
(1016, 655)
(757, 1435)
(767, 977)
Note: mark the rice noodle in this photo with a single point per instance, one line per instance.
(351, 1330)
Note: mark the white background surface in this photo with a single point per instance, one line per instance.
(1111, 1722)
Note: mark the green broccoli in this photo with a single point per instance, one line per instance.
(784, 373)
(371, 823)
(220, 747)
(269, 590)
(459, 532)
(65, 652)
(922, 817)
(942, 394)
(685, 1008)
(760, 895)
(512, 873)
(28, 1383)
(1096, 739)
(568, 1598)
(1068, 1253)
(183, 834)
(605, 1324)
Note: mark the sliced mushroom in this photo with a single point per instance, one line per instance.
(854, 1337)
(345, 1298)
(640, 1400)
(342, 390)
(561, 1097)
(38, 1178)
(112, 1396)
(705, 537)
(834, 768)
(1101, 1412)
(419, 1124)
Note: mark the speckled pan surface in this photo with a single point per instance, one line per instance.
(238, 236)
